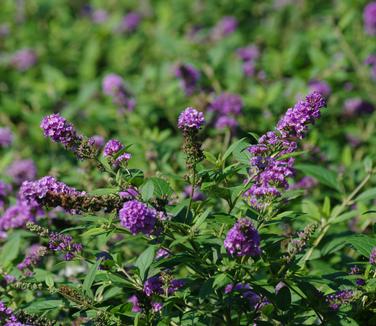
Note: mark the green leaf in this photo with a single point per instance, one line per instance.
(104, 191)
(283, 298)
(367, 195)
(89, 279)
(147, 190)
(10, 250)
(363, 244)
(94, 231)
(49, 280)
(144, 261)
(43, 305)
(325, 176)
(156, 187)
(240, 143)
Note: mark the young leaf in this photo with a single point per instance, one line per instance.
(89, 279)
(325, 176)
(144, 261)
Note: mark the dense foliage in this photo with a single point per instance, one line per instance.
(187, 162)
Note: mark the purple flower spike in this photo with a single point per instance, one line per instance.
(369, 16)
(226, 26)
(243, 239)
(130, 22)
(112, 84)
(112, 147)
(6, 137)
(190, 118)
(59, 130)
(372, 257)
(189, 77)
(227, 103)
(22, 170)
(137, 217)
(24, 59)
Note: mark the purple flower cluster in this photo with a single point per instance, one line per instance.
(320, 86)
(356, 106)
(197, 194)
(113, 86)
(32, 258)
(189, 77)
(99, 16)
(65, 244)
(369, 17)
(60, 130)
(372, 256)
(112, 147)
(22, 170)
(227, 106)
(371, 60)
(97, 141)
(24, 59)
(249, 55)
(129, 22)
(270, 172)
(304, 183)
(7, 316)
(191, 119)
(5, 190)
(33, 191)
(162, 253)
(137, 305)
(17, 215)
(226, 26)
(129, 193)
(137, 217)
(339, 298)
(6, 137)
(247, 293)
(243, 239)
(154, 286)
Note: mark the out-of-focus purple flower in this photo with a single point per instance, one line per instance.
(249, 68)
(353, 140)
(162, 253)
(355, 106)
(320, 86)
(157, 306)
(249, 53)
(112, 147)
(59, 130)
(17, 216)
(305, 183)
(22, 170)
(243, 239)
(5, 190)
(24, 59)
(190, 118)
(227, 103)
(113, 86)
(369, 17)
(153, 285)
(9, 278)
(137, 217)
(371, 60)
(226, 26)
(99, 16)
(32, 258)
(339, 298)
(189, 77)
(175, 285)
(246, 292)
(224, 122)
(130, 193)
(360, 282)
(372, 257)
(197, 194)
(6, 137)
(129, 22)
(64, 243)
(135, 302)
(8, 317)
(4, 30)
(97, 141)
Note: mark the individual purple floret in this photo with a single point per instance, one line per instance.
(339, 298)
(60, 130)
(162, 253)
(6, 137)
(32, 258)
(129, 22)
(372, 257)
(157, 306)
(113, 86)
(137, 217)
(355, 106)
(226, 26)
(243, 239)
(197, 194)
(153, 285)
(65, 244)
(5, 190)
(97, 141)
(189, 77)
(129, 193)
(112, 147)
(17, 215)
(34, 191)
(369, 17)
(175, 285)
(24, 59)
(320, 86)
(22, 170)
(122, 159)
(191, 119)
(227, 104)
(135, 302)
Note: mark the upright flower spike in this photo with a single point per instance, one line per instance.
(369, 17)
(24, 59)
(226, 26)
(269, 172)
(6, 137)
(137, 217)
(243, 239)
(113, 86)
(190, 122)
